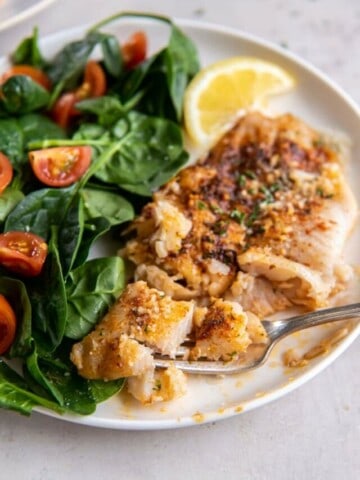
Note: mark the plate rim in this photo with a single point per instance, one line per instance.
(227, 412)
(24, 14)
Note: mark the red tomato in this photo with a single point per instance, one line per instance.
(7, 325)
(34, 73)
(94, 85)
(134, 50)
(64, 109)
(94, 81)
(60, 166)
(6, 172)
(23, 253)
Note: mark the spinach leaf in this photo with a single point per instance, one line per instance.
(8, 201)
(184, 52)
(34, 369)
(93, 229)
(37, 127)
(49, 303)
(149, 154)
(102, 390)
(57, 377)
(12, 141)
(15, 134)
(68, 65)
(181, 64)
(20, 94)
(70, 234)
(164, 77)
(111, 206)
(39, 210)
(28, 51)
(111, 51)
(138, 78)
(91, 288)
(15, 394)
(107, 109)
(74, 392)
(15, 291)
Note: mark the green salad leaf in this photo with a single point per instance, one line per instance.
(15, 393)
(20, 94)
(148, 151)
(48, 300)
(15, 291)
(91, 288)
(28, 52)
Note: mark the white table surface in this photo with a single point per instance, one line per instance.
(313, 433)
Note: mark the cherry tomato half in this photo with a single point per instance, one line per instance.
(7, 325)
(6, 172)
(94, 85)
(23, 253)
(134, 50)
(94, 81)
(64, 109)
(60, 166)
(34, 73)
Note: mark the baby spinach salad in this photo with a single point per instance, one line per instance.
(85, 137)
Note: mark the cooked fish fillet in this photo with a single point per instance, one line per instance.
(257, 225)
(270, 189)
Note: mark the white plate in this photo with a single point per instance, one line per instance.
(15, 11)
(317, 101)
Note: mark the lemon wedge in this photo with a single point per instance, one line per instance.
(219, 93)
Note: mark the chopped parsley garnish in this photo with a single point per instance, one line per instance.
(220, 227)
(217, 210)
(318, 143)
(157, 385)
(201, 205)
(242, 180)
(268, 195)
(322, 194)
(275, 187)
(239, 217)
(250, 174)
(253, 215)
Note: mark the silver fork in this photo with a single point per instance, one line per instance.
(276, 330)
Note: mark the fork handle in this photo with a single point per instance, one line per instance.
(282, 328)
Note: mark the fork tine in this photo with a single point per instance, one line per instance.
(206, 367)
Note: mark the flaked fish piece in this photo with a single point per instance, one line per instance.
(221, 331)
(141, 318)
(257, 294)
(171, 228)
(110, 355)
(157, 278)
(300, 284)
(158, 386)
(150, 317)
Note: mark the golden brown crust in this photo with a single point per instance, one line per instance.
(264, 177)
